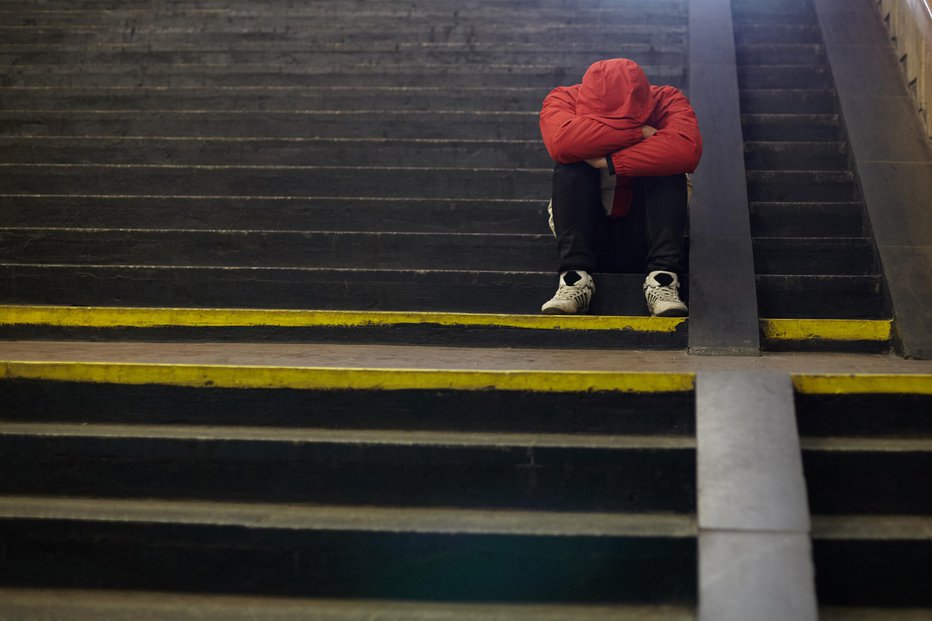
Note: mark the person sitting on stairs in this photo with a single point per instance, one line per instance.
(622, 148)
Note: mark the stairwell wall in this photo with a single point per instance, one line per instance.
(909, 24)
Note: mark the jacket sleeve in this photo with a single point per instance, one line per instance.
(675, 148)
(572, 138)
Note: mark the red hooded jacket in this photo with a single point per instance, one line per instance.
(603, 116)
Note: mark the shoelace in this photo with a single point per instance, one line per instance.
(664, 294)
(568, 292)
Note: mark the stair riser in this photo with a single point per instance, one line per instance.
(839, 297)
(867, 573)
(434, 125)
(867, 482)
(802, 219)
(765, 33)
(442, 153)
(797, 128)
(814, 256)
(807, 76)
(381, 251)
(790, 156)
(756, 102)
(481, 292)
(762, 55)
(873, 415)
(406, 183)
(242, 35)
(445, 567)
(349, 214)
(299, 100)
(210, 76)
(332, 59)
(517, 477)
(793, 186)
(671, 413)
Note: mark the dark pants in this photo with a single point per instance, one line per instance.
(649, 238)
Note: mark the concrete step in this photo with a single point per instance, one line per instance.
(245, 99)
(752, 34)
(787, 219)
(379, 468)
(235, 33)
(291, 151)
(231, 213)
(90, 605)
(434, 555)
(575, 410)
(402, 124)
(791, 127)
(318, 249)
(802, 185)
(309, 288)
(779, 54)
(852, 256)
(475, 75)
(276, 181)
(783, 76)
(788, 101)
(868, 458)
(821, 296)
(785, 155)
(339, 56)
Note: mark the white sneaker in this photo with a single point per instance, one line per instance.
(573, 296)
(661, 290)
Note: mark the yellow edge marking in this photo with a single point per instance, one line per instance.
(863, 384)
(330, 378)
(117, 317)
(826, 329)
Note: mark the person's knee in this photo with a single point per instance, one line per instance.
(575, 173)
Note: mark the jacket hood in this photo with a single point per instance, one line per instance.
(615, 92)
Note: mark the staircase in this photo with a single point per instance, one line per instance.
(177, 154)
(867, 456)
(813, 252)
(573, 498)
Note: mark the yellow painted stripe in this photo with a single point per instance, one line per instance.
(117, 317)
(324, 378)
(831, 384)
(826, 329)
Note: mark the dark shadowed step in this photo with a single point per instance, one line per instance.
(749, 34)
(815, 255)
(318, 249)
(791, 127)
(91, 605)
(276, 181)
(443, 215)
(107, 76)
(779, 54)
(799, 219)
(827, 296)
(786, 155)
(322, 552)
(583, 473)
(295, 151)
(339, 57)
(265, 99)
(783, 76)
(312, 123)
(423, 290)
(802, 185)
(787, 101)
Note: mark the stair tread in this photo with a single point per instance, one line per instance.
(346, 518)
